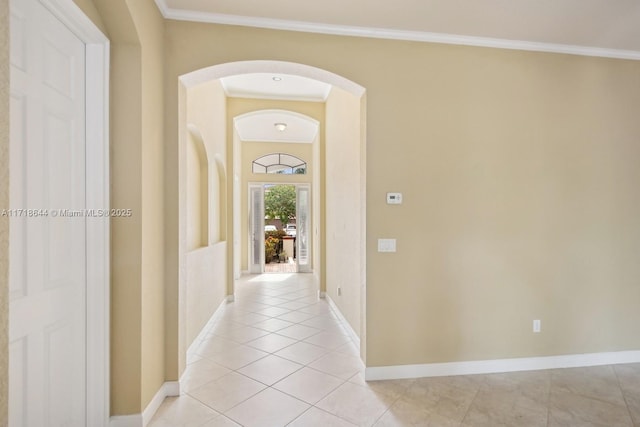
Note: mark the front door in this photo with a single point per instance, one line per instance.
(47, 378)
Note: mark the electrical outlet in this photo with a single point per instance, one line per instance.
(339, 291)
(536, 326)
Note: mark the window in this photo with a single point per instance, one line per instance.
(279, 163)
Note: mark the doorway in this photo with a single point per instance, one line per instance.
(280, 223)
(337, 171)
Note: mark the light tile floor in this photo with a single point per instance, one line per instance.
(281, 267)
(279, 356)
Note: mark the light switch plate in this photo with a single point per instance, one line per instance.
(386, 245)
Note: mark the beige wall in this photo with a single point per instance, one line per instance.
(519, 205)
(150, 27)
(197, 192)
(343, 212)
(205, 282)
(126, 245)
(518, 174)
(4, 204)
(317, 211)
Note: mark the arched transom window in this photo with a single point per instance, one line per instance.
(279, 163)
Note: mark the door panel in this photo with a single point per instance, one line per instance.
(303, 224)
(47, 377)
(256, 229)
(18, 381)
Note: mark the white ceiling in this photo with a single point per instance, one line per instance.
(589, 27)
(259, 126)
(275, 86)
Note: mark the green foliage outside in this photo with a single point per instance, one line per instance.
(280, 203)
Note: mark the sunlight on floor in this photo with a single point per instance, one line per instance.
(271, 277)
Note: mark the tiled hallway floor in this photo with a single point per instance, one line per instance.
(278, 356)
(281, 267)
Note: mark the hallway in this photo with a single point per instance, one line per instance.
(279, 356)
(275, 352)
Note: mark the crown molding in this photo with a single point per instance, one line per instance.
(391, 34)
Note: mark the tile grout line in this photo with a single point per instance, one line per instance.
(624, 395)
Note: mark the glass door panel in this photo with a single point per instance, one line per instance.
(303, 224)
(256, 228)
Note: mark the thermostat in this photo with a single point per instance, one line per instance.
(394, 198)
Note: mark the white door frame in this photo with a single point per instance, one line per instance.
(250, 224)
(97, 197)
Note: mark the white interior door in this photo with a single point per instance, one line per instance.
(256, 228)
(303, 225)
(47, 378)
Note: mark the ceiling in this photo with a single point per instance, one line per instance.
(260, 126)
(608, 28)
(275, 86)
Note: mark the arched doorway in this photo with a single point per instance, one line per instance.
(340, 209)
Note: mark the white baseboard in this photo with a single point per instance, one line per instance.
(168, 389)
(500, 365)
(126, 420)
(352, 334)
(205, 329)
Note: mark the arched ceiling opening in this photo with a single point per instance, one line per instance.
(275, 86)
(279, 81)
(276, 126)
(273, 69)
